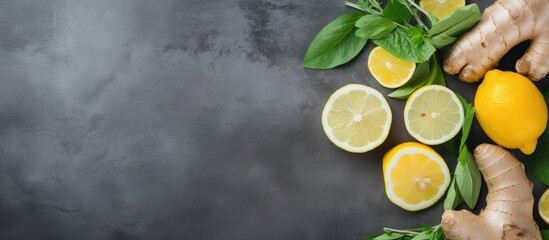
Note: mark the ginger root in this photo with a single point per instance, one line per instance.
(508, 214)
(503, 25)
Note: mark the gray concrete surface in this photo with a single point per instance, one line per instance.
(139, 119)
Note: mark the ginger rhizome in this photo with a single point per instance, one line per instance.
(508, 213)
(504, 24)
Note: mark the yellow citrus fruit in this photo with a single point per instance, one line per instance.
(415, 176)
(511, 110)
(433, 114)
(543, 206)
(357, 118)
(388, 70)
(441, 8)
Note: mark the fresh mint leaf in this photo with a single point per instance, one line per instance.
(374, 26)
(397, 11)
(419, 78)
(537, 163)
(423, 233)
(404, 44)
(335, 44)
(417, 34)
(447, 29)
(468, 180)
(467, 122)
(453, 197)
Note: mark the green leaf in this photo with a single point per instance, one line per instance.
(423, 236)
(420, 77)
(442, 40)
(467, 122)
(468, 180)
(436, 76)
(374, 26)
(407, 45)
(397, 11)
(369, 19)
(537, 163)
(545, 234)
(453, 197)
(453, 25)
(389, 236)
(335, 44)
(432, 19)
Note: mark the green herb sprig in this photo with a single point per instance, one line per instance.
(466, 182)
(392, 28)
(423, 233)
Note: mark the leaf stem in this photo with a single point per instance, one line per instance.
(408, 232)
(414, 12)
(413, 3)
(361, 8)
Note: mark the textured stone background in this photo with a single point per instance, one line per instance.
(138, 119)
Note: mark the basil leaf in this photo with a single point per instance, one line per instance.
(468, 180)
(369, 19)
(374, 26)
(420, 77)
(537, 163)
(335, 44)
(453, 197)
(442, 40)
(454, 25)
(397, 11)
(405, 44)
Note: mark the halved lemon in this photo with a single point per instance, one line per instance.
(433, 114)
(543, 206)
(388, 70)
(441, 8)
(415, 176)
(357, 118)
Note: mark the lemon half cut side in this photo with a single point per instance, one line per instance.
(357, 118)
(433, 114)
(415, 176)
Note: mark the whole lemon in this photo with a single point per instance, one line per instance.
(511, 110)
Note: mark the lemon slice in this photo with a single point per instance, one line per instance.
(388, 70)
(543, 206)
(415, 176)
(433, 114)
(357, 118)
(441, 8)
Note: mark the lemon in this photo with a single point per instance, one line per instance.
(357, 118)
(441, 8)
(543, 206)
(433, 114)
(388, 70)
(415, 176)
(511, 110)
